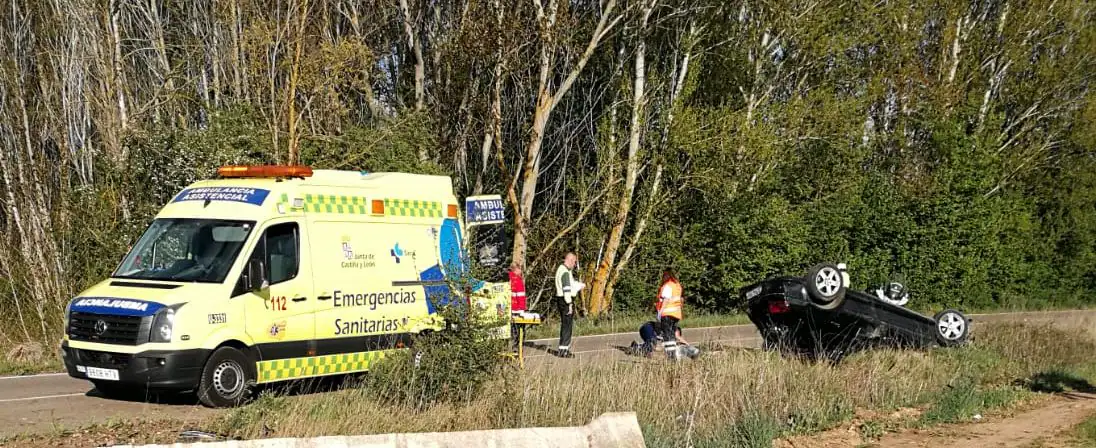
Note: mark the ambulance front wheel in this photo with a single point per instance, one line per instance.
(226, 379)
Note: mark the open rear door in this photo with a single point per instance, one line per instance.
(485, 217)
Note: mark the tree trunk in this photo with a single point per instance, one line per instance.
(599, 301)
(641, 226)
(291, 95)
(415, 46)
(117, 77)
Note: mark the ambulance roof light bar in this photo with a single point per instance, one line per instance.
(265, 171)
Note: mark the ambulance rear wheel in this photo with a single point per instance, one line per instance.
(226, 379)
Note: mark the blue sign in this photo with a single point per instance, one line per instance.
(253, 196)
(114, 306)
(485, 210)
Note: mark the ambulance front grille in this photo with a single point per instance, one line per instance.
(105, 329)
(107, 360)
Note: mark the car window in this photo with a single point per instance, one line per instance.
(279, 251)
(185, 250)
(282, 252)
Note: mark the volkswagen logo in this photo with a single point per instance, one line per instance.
(101, 327)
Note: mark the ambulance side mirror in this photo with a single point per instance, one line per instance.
(256, 276)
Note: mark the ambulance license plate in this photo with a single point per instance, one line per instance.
(96, 373)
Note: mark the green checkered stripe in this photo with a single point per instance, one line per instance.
(357, 205)
(413, 208)
(286, 369)
(330, 203)
(283, 199)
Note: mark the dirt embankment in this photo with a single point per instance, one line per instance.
(1044, 422)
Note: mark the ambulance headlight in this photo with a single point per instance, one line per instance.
(163, 325)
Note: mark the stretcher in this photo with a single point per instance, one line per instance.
(524, 320)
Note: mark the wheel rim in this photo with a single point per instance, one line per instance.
(228, 379)
(951, 326)
(828, 282)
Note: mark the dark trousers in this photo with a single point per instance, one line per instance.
(514, 328)
(565, 323)
(669, 329)
(649, 336)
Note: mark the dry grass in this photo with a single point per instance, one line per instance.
(1085, 433)
(29, 358)
(741, 397)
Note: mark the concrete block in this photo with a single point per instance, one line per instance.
(616, 430)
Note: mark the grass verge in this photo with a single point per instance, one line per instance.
(621, 323)
(739, 397)
(49, 365)
(28, 359)
(1085, 433)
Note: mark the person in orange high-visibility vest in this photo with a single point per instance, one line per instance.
(669, 308)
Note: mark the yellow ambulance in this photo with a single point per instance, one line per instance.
(275, 273)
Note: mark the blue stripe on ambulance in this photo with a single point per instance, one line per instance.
(244, 195)
(115, 306)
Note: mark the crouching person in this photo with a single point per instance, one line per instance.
(651, 334)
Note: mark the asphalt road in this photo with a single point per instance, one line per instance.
(39, 403)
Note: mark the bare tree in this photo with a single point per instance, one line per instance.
(292, 114)
(414, 44)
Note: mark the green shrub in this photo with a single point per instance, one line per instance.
(448, 366)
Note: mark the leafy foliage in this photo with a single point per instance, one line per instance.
(949, 144)
(450, 366)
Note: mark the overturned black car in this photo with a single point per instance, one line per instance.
(819, 316)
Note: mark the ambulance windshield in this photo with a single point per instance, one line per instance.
(186, 250)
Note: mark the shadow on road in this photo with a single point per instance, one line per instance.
(541, 347)
(290, 388)
(142, 396)
(625, 350)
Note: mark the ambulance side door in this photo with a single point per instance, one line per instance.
(281, 318)
(358, 267)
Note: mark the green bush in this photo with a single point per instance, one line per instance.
(448, 366)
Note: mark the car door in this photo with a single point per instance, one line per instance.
(281, 318)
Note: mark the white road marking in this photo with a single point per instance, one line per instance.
(43, 397)
(610, 335)
(17, 377)
(611, 349)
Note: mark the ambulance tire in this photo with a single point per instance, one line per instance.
(226, 379)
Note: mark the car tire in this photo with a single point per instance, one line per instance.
(952, 328)
(227, 379)
(826, 286)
